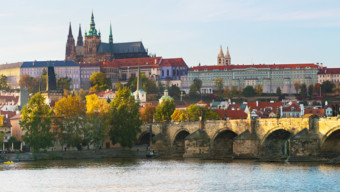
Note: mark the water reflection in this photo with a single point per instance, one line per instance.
(167, 175)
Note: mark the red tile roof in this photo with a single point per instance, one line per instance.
(263, 66)
(232, 114)
(264, 108)
(234, 106)
(317, 112)
(10, 114)
(289, 108)
(330, 71)
(175, 62)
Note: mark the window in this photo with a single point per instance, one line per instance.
(167, 72)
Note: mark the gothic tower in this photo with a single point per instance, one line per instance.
(80, 47)
(70, 46)
(111, 44)
(220, 57)
(92, 42)
(227, 57)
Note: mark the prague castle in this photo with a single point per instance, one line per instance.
(92, 49)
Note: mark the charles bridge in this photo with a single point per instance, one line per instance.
(308, 138)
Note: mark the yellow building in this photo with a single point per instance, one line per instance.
(12, 72)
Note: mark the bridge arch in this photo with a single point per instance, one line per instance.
(144, 138)
(276, 143)
(222, 142)
(330, 143)
(178, 141)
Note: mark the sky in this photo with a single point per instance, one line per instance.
(256, 31)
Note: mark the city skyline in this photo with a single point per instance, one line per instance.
(256, 32)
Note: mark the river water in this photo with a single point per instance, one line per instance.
(166, 175)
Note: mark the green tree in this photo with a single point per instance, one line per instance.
(124, 118)
(278, 91)
(327, 87)
(149, 85)
(303, 91)
(193, 91)
(336, 88)
(70, 113)
(64, 83)
(165, 110)
(3, 83)
(234, 91)
(219, 85)
(98, 82)
(310, 90)
(36, 122)
(249, 91)
(193, 112)
(198, 85)
(174, 92)
(210, 114)
(179, 115)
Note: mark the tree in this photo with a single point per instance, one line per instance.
(81, 94)
(165, 110)
(227, 91)
(3, 83)
(193, 91)
(278, 92)
(70, 112)
(148, 113)
(148, 85)
(317, 88)
(336, 88)
(297, 86)
(249, 91)
(219, 85)
(29, 83)
(193, 112)
(198, 84)
(36, 123)
(327, 87)
(310, 90)
(258, 90)
(174, 92)
(64, 83)
(234, 91)
(96, 126)
(179, 115)
(124, 118)
(98, 82)
(210, 114)
(303, 91)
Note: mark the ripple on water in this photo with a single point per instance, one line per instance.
(166, 175)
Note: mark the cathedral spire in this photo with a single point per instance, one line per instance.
(227, 57)
(92, 31)
(110, 37)
(80, 37)
(70, 31)
(220, 54)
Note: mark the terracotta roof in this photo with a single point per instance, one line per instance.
(7, 122)
(232, 114)
(260, 66)
(330, 71)
(264, 108)
(317, 112)
(145, 62)
(181, 104)
(202, 102)
(289, 108)
(175, 62)
(235, 106)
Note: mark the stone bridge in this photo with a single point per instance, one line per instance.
(297, 138)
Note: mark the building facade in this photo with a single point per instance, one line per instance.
(93, 50)
(270, 77)
(67, 69)
(12, 72)
(329, 74)
(86, 70)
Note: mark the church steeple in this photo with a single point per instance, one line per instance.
(220, 57)
(80, 38)
(227, 57)
(92, 31)
(110, 37)
(70, 31)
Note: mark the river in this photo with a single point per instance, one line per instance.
(166, 175)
